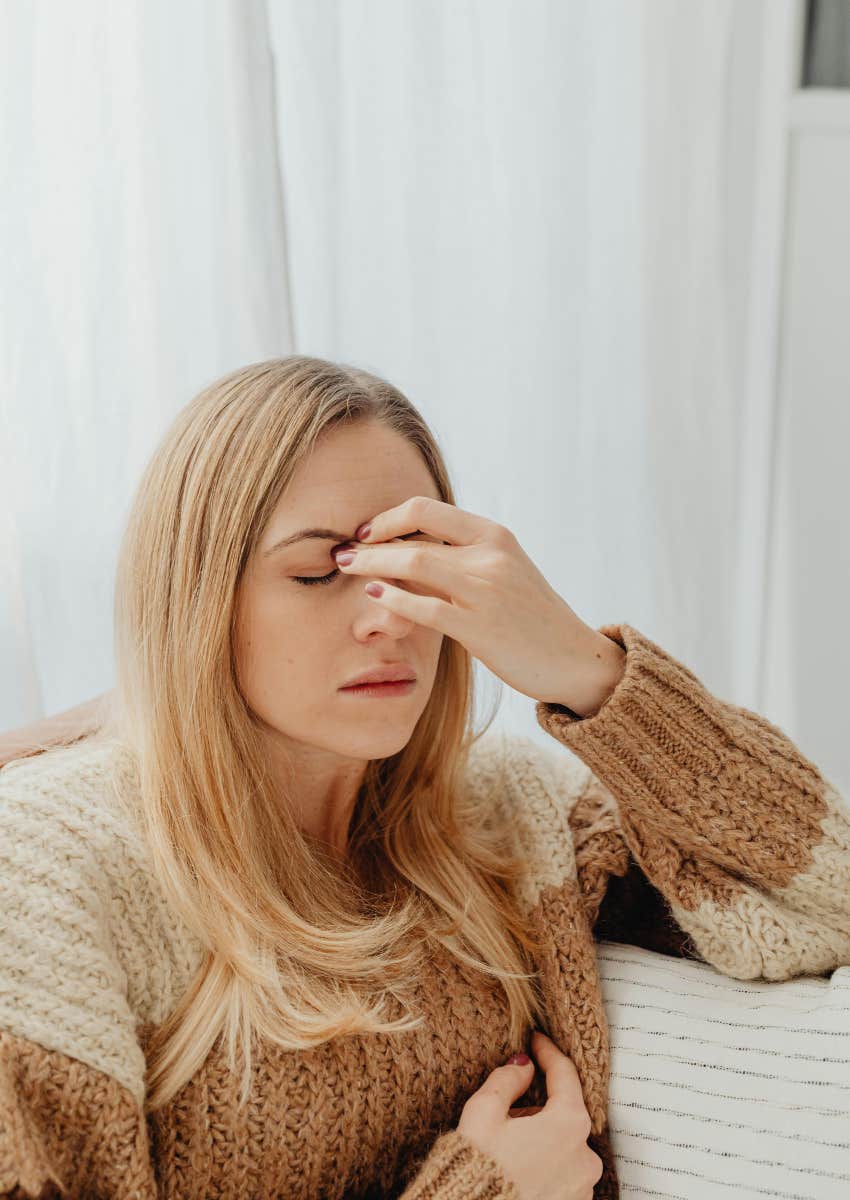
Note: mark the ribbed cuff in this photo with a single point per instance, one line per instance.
(455, 1169)
(660, 711)
(652, 683)
(703, 771)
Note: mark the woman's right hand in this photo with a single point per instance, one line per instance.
(545, 1154)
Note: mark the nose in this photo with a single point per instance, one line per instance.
(374, 617)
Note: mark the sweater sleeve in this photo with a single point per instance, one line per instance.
(71, 1070)
(711, 813)
(455, 1169)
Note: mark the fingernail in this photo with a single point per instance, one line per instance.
(362, 531)
(374, 589)
(518, 1060)
(344, 556)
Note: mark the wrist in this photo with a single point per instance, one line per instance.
(595, 677)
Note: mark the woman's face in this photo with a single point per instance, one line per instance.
(297, 643)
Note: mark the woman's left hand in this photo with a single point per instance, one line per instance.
(484, 591)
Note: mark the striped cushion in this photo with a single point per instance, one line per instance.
(724, 1087)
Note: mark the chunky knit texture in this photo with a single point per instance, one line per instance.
(669, 819)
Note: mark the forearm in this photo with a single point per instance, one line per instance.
(739, 831)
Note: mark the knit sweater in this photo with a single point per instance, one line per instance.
(668, 819)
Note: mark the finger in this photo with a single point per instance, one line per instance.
(434, 567)
(424, 514)
(507, 1083)
(562, 1078)
(423, 610)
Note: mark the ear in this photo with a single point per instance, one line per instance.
(60, 730)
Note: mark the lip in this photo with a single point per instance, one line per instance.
(386, 673)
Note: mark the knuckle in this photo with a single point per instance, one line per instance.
(592, 1169)
(499, 562)
(490, 564)
(419, 505)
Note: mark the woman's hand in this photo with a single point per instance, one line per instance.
(482, 589)
(546, 1154)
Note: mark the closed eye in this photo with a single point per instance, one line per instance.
(307, 580)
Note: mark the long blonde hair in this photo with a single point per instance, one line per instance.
(299, 949)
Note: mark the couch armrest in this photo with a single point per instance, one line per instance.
(60, 730)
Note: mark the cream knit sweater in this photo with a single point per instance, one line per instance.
(670, 819)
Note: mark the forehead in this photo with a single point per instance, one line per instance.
(354, 473)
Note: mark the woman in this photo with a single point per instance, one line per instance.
(269, 933)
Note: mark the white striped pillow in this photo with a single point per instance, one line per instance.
(726, 1088)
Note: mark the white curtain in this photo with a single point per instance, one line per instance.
(142, 251)
(535, 218)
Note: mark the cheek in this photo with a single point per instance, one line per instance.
(429, 647)
(280, 673)
(272, 635)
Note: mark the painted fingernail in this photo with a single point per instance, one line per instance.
(374, 589)
(518, 1060)
(362, 531)
(345, 557)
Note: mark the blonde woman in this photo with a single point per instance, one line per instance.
(269, 933)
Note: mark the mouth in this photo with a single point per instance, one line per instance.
(393, 687)
(384, 674)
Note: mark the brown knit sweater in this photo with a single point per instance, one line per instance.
(669, 819)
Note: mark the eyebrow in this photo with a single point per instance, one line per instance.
(325, 535)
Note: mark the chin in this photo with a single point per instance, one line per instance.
(386, 739)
